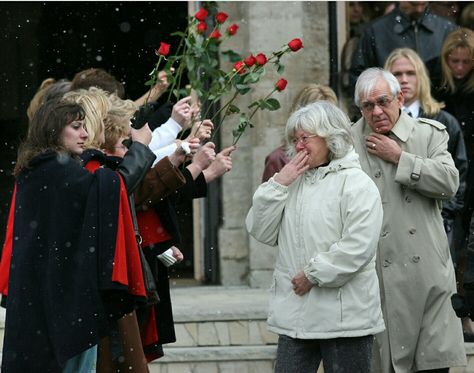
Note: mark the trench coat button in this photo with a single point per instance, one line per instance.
(408, 199)
(415, 259)
(386, 262)
(378, 173)
(412, 230)
(384, 234)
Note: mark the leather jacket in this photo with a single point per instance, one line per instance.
(135, 164)
(396, 30)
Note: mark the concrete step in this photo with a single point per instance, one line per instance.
(219, 329)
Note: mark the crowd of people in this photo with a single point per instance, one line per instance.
(372, 220)
(384, 203)
(107, 188)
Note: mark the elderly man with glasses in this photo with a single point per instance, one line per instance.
(409, 162)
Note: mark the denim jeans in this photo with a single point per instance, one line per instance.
(339, 355)
(83, 363)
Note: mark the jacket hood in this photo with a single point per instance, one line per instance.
(350, 160)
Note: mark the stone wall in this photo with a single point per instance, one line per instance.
(265, 27)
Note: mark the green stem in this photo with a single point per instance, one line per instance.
(250, 117)
(180, 68)
(216, 130)
(154, 79)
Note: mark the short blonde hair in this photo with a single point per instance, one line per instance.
(117, 121)
(96, 105)
(311, 93)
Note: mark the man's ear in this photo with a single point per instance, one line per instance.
(400, 99)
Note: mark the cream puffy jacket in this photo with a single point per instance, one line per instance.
(326, 223)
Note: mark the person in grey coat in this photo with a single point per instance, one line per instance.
(408, 160)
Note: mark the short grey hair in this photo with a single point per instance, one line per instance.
(369, 78)
(323, 119)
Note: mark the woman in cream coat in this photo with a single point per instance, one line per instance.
(325, 215)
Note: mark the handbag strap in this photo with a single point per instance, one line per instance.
(134, 219)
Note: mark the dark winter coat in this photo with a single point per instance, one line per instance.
(457, 149)
(60, 289)
(396, 30)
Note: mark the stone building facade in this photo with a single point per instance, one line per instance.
(265, 27)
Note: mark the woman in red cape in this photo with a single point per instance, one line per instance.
(61, 293)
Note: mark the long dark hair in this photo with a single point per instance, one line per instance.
(45, 129)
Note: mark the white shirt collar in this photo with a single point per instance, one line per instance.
(414, 109)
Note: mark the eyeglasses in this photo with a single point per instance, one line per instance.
(383, 101)
(302, 139)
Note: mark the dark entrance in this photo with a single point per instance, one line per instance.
(58, 39)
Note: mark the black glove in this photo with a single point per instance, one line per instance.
(141, 116)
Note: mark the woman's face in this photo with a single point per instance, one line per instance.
(73, 137)
(314, 145)
(460, 62)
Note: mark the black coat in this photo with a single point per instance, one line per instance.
(60, 291)
(395, 30)
(169, 218)
(457, 149)
(460, 105)
(62, 257)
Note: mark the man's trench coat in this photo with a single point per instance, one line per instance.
(414, 265)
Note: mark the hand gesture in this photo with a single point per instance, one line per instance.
(142, 135)
(182, 112)
(301, 284)
(293, 169)
(177, 254)
(221, 165)
(383, 147)
(204, 156)
(202, 130)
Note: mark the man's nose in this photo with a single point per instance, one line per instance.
(377, 110)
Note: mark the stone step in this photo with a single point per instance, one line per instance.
(238, 359)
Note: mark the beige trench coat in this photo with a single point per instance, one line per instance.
(415, 270)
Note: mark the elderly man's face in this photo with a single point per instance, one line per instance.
(380, 108)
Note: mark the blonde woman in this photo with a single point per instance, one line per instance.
(123, 346)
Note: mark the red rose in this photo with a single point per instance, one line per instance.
(261, 59)
(295, 45)
(281, 84)
(239, 67)
(215, 34)
(201, 27)
(201, 15)
(232, 29)
(221, 17)
(163, 50)
(250, 61)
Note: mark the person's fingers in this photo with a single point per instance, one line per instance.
(184, 100)
(228, 151)
(210, 144)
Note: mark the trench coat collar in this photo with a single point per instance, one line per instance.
(402, 128)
